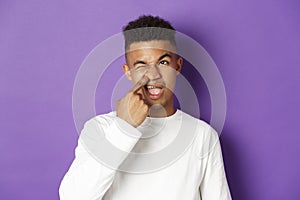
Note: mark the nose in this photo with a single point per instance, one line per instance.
(153, 72)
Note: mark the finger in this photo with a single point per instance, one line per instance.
(142, 82)
(139, 94)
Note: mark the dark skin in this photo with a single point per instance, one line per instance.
(152, 66)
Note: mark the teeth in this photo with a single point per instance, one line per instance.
(150, 87)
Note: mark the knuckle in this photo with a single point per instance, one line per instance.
(131, 98)
(141, 102)
(145, 107)
(129, 94)
(136, 97)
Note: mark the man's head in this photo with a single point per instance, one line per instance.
(148, 28)
(151, 51)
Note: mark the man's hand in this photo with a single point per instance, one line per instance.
(132, 107)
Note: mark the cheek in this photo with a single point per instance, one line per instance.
(169, 77)
(136, 76)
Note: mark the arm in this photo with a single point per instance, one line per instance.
(102, 148)
(89, 177)
(214, 183)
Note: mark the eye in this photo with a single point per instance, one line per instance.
(138, 67)
(164, 62)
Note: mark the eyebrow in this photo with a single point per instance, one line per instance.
(165, 55)
(160, 58)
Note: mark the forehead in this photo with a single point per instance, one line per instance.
(150, 49)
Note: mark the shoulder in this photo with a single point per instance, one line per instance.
(205, 138)
(103, 120)
(94, 130)
(202, 127)
(96, 126)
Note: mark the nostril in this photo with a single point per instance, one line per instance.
(153, 74)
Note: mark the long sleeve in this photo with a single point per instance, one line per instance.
(102, 146)
(214, 184)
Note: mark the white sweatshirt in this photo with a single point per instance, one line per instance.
(173, 158)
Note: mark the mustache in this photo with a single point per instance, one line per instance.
(157, 83)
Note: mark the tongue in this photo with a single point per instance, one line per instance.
(154, 91)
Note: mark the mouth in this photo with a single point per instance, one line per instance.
(154, 91)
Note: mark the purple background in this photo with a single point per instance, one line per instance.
(255, 44)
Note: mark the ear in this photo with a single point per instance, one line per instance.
(126, 70)
(179, 65)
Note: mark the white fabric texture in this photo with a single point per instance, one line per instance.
(196, 174)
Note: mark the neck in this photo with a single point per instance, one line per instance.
(161, 111)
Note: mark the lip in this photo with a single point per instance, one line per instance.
(154, 96)
(155, 85)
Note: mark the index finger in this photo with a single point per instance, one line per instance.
(142, 82)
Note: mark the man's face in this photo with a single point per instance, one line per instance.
(156, 60)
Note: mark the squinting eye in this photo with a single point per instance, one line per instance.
(139, 67)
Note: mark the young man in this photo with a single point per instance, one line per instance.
(198, 173)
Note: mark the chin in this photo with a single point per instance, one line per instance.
(156, 103)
